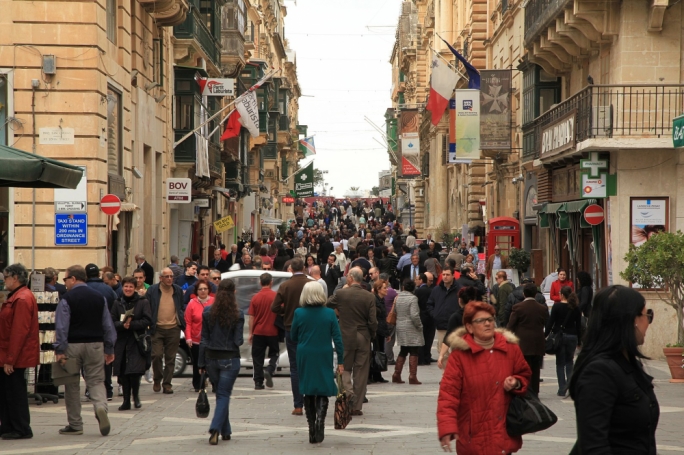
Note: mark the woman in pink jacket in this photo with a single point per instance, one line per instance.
(193, 327)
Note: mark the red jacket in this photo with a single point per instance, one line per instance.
(472, 402)
(193, 319)
(19, 341)
(556, 287)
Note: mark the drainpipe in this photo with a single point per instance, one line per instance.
(35, 83)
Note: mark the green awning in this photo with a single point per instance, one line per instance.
(25, 170)
(573, 207)
(578, 206)
(549, 208)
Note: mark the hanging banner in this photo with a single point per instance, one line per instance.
(495, 101)
(467, 124)
(452, 135)
(410, 143)
(304, 182)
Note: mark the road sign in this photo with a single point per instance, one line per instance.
(288, 200)
(178, 190)
(110, 204)
(71, 229)
(594, 214)
(70, 207)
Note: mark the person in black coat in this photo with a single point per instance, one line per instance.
(331, 274)
(615, 406)
(145, 267)
(423, 291)
(585, 292)
(465, 295)
(412, 270)
(516, 297)
(132, 316)
(383, 331)
(469, 279)
(326, 249)
(218, 263)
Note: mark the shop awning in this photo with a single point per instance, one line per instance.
(271, 221)
(573, 207)
(25, 170)
(578, 206)
(549, 208)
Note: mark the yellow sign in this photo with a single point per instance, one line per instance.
(223, 224)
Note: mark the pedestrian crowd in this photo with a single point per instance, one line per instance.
(360, 284)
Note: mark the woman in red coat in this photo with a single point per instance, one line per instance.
(19, 349)
(485, 368)
(557, 285)
(193, 328)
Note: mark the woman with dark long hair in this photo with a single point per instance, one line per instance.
(380, 290)
(132, 316)
(615, 406)
(565, 317)
(219, 353)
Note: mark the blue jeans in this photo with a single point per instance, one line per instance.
(564, 358)
(294, 374)
(226, 372)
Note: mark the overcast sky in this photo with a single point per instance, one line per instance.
(343, 51)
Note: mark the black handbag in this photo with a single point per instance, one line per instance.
(526, 414)
(378, 361)
(202, 406)
(144, 342)
(555, 340)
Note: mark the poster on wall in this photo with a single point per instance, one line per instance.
(410, 143)
(495, 101)
(467, 124)
(648, 217)
(452, 135)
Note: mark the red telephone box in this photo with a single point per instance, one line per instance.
(505, 232)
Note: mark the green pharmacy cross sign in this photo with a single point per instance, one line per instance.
(678, 132)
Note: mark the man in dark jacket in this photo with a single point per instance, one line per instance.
(516, 297)
(219, 263)
(469, 279)
(145, 267)
(285, 304)
(414, 269)
(443, 302)
(423, 291)
(331, 274)
(166, 303)
(327, 248)
(528, 320)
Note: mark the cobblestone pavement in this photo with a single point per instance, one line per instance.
(398, 419)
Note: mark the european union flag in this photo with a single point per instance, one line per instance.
(473, 74)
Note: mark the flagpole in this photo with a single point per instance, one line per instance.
(298, 171)
(221, 123)
(251, 89)
(455, 68)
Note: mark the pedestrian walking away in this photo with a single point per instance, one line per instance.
(409, 332)
(315, 330)
(566, 318)
(85, 334)
(263, 333)
(132, 316)
(219, 354)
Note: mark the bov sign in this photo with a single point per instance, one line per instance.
(304, 185)
(678, 131)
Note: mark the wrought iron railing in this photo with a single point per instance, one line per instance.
(539, 14)
(611, 111)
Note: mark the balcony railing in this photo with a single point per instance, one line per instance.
(284, 123)
(194, 28)
(607, 111)
(539, 14)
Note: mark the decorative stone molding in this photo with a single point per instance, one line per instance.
(657, 15)
(167, 13)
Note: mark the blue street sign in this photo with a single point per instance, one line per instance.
(71, 229)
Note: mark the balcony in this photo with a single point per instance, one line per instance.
(607, 112)
(195, 30)
(540, 13)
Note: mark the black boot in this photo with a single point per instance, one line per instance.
(126, 386)
(321, 411)
(135, 388)
(310, 410)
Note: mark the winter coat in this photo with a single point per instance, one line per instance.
(19, 340)
(516, 297)
(409, 328)
(585, 296)
(556, 287)
(381, 315)
(193, 319)
(443, 303)
(126, 344)
(472, 402)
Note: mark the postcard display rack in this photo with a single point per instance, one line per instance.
(42, 376)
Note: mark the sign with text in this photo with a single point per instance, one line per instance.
(178, 190)
(467, 124)
(56, 136)
(594, 187)
(217, 87)
(304, 184)
(649, 216)
(495, 102)
(678, 131)
(559, 136)
(288, 200)
(223, 224)
(71, 229)
(72, 200)
(410, 143)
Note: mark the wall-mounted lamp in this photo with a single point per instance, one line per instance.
(136, 172)
(160, 98)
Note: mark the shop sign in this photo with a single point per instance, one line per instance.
(594, 188)
(217, 87)
(223, 224)
(678, 132)
(559, 136)
(178, 190)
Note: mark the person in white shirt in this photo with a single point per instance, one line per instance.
(316, 275)
(340, 258)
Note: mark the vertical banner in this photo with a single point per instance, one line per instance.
(495, 101)
(467, 124)
(304, 185)
(410, 144)
(452, 135)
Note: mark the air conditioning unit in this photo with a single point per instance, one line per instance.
(601, 121)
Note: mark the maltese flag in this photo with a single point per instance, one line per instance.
(442, 84)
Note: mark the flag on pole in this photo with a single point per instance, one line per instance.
(306, 146)
(233, 126)
(304, 185)
(442, 84)
(473, 74)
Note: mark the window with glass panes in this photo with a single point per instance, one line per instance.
(541, 90)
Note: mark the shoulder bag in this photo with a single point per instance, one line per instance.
(202, 407)
(343, 406)
(392, 315)
(554, 340)
(526, 414)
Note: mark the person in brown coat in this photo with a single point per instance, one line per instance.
(528, 319)
(285, 303)
(358, 323)
(496, 261)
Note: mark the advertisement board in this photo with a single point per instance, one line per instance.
(467, 124)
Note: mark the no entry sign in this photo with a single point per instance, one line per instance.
(594, 214)
(110, 204)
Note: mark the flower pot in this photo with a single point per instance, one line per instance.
(675, 361)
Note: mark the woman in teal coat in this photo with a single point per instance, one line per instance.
(314, 329)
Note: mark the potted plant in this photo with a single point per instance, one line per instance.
(657, 265)
(519, 259)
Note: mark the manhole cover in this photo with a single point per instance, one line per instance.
(366, 430)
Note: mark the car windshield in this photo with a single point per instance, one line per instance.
(247, 286)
